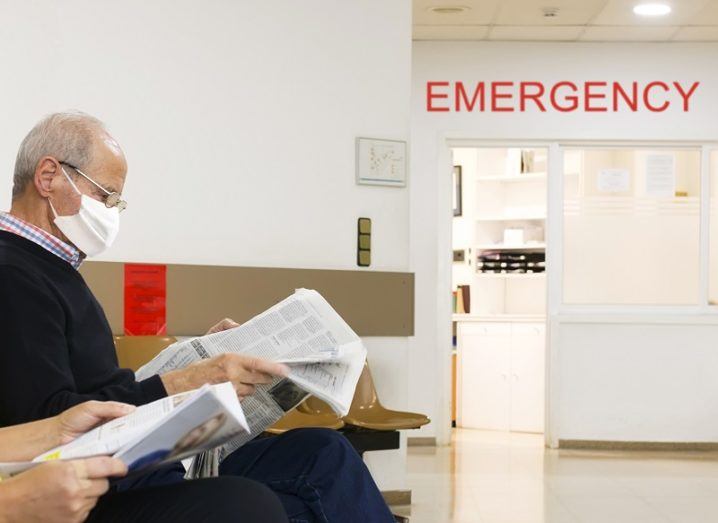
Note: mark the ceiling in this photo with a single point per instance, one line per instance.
(575, 20)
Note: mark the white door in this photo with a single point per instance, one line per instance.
(484, 365)
(527, 377)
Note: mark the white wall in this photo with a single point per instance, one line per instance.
(430, 226)
(638, 381)
(238, 119)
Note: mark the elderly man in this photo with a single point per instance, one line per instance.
(58, 351)
(67, 491)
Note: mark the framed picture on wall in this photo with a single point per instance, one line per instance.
(380, 162)
(457, 190)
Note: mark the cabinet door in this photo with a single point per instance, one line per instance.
(484, 361)
(527, 377)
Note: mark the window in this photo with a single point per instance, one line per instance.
(632, 226)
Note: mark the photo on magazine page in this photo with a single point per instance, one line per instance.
(187, 445)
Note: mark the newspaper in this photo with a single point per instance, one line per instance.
(324, 354)
(166, 430)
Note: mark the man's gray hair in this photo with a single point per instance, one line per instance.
(67, 136)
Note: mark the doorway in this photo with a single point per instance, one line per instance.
(498, 273)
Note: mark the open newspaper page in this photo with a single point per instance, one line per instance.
(332, 381)
(324, 354)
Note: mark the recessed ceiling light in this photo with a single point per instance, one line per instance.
(652, 9)
(448, 9)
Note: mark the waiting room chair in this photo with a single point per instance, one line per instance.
(307, 417)
(135, 351)
(317, 407)
(367, 412)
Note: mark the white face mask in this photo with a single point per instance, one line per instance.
(93, 228)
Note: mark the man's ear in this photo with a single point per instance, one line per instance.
(45, 175)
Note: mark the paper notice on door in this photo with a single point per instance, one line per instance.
(660, 175)
(613, 180)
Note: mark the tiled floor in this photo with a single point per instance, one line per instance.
(493, 477)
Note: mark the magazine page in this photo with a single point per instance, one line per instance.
(171, 417)
(208, 421)
(8, 470)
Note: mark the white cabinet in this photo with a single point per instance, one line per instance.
(527, 377)
(501, 376)
(484, 361)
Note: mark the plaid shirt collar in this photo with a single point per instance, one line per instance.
(44, 239)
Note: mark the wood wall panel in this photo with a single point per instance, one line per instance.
(373, 303)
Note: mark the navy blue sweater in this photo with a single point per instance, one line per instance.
(56, 347)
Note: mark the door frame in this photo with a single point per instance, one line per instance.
(445, 275)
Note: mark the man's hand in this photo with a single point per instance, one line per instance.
(223, 325)
(245, 372)
(58, 491)
(76, 421)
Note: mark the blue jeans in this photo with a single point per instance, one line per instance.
(316, 473)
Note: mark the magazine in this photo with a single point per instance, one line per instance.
(166, 430)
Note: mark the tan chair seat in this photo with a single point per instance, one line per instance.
(367, 412)
(385, 419)
(313, 405)
(296, 419)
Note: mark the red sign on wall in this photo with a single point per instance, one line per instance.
(145, 299)
(564, 96)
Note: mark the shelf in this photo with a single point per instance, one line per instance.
(510, 275)
(501, 247)
(518, 218)
(524, 177)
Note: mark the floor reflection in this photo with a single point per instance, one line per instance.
(495, 477)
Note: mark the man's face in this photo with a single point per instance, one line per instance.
(108, 169)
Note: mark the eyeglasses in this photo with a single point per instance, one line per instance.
(113, 199)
